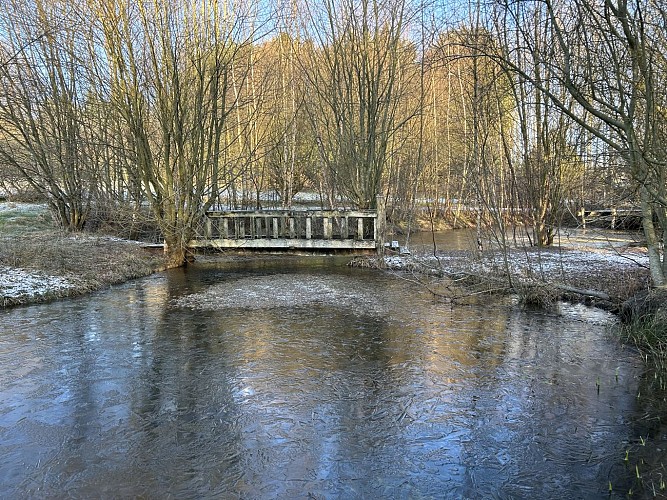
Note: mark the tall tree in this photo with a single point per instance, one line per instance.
(48, 136)
(355, 74)
(291, 151)
(173, 65)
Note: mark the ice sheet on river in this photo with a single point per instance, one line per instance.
(289, 290)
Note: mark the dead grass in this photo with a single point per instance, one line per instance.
(536, 293)
(90, 262)
(566, 275)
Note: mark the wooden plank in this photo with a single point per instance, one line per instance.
(258, 227)
(326, 223)
(283, 243)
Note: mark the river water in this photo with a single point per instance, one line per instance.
(303, 378)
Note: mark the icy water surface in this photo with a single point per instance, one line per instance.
(280, 378)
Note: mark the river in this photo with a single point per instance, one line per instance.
(303, 378)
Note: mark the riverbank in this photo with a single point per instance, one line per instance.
(51, 265)
(601, 276)
(39, 263)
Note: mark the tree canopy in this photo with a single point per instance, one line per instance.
(510, 113)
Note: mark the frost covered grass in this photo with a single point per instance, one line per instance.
(22, 218)
(538, 276)
(39, 262)
(19, 286)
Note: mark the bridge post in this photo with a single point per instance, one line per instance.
(582, 212)
(275, 228)
(380, 224)
(326, 223)
(208, 228)
(258, 227)
(309, 227)
(613, 218)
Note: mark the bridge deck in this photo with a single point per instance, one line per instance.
(308, 230)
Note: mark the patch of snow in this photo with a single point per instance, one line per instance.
(16, 283)
(395, 262)
(550, 263)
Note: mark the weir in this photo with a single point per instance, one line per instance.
(354, 231)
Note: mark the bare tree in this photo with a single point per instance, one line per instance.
(609, 58)
(47, 132)
(173, 66)
(355, 74)
(540, 149)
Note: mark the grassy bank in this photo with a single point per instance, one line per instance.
(646, 457)
(39, 262)
(538, 277)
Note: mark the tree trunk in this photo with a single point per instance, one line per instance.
(652, 241)
(175, 252)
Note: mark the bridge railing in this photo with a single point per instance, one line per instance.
(279, 228)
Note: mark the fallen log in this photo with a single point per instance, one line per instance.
(581, 291)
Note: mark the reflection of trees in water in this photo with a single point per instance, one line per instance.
(186, 416)
(541, 406)
(309, 378)
(96, 346)
(283, 370)
(362, 398)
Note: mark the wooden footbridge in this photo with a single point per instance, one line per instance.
(612, 218)
(352, 231)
